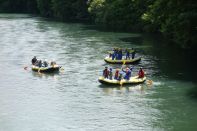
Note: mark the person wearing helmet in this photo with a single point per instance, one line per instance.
(53, 63)
(114, 55)
(127, 54)
(45, 63)
(40, 63)
(141, 73)
(116, 76)
(34, 60)
(110, 74)
(127, 73)
(106, 72)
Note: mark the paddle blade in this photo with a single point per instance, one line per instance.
(25, 68)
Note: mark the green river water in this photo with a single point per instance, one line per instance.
(74, 100)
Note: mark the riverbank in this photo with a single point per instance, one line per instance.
(176, 21)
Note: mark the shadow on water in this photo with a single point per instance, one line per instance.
(126, 86)
(192, 93)
(136, 89)
(108, 86)
(45, 75)
(137, 39)
(99, 28)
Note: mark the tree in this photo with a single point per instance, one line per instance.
(70, 10)
(45, 7)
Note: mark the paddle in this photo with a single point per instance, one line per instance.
(61, 69)
(25, 67)
(149, 82)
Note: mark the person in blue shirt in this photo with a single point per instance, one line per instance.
(127, 73)
(110, 74)
(131, 68)
(113, 56)
(127, 54)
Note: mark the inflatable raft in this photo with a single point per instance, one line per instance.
(133, 80)
(128, 61)
(50, 69)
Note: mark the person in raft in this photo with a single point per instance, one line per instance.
(45, 63)
(141, 73)
(110, 74)
(39, 63)
(127, 54)
(116, 76)
(53, 63)
(119, 54)
(113, 55)
(133, 54)
(106, 72)
(34, 60)
(127, 73)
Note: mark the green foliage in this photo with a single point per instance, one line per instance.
(118, 14)
(18, 6)
(70, 10)
(175, 19)
(45, 7)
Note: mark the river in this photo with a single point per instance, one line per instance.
(73, 99)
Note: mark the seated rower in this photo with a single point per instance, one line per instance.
(128, 73)
(40, 63)
(131, 69)
(45, 63)
(141, 73)
(110, 74)
(116, 76)
(53, 63)
(34, 60)
(106, 72)
(127, 54)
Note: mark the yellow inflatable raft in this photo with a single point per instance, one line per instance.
(133, 80)
(128, 61)
(50, 69)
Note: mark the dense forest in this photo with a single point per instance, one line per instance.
(175, 19)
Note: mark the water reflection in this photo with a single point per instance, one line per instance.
(140, 89)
